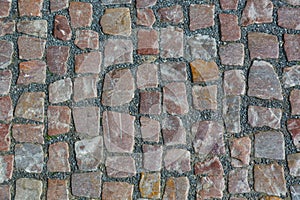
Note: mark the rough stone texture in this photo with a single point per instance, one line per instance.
(5, 192)
(175, 98)
(205, 98)
(57, 189)
(117, 190)
(88, 62)
(263, 82)
(116, 21)
(118, 131)
(111, 2)
(30, 8)
(292, 46)
(89, 153)
(29, 157)
(176, 188)
(6, 109)
(5, 8)
(31, 48)
(231, 113)
(59, 119)
(295, 102)
(86, 184)
(172, 14)
(203, 71)
(85, 87)
(120, 166)
(173, 131)
(60, 91)
(291, 76)
(232, 54)
(87, 121)
(58, 157)
(146, 76)
(6, 52)
(208, 138)
(58, 5)
(230, 29)
(118, 87)
(152, 157)
(33, 71)
(150, 185)
(145, 3)
(147, 42)
(234, 82)
(262, 116)
(28, 133)
(36, 27)
(263, 45)
(62, 29)
(173, 71)
(5, 139)
(289, 18)
(240, 150)
(117, 51)
(199, 12)
(293, 163)
(295, 189)
(171, 42)
(150, 129)
(177, 160)
(229, 4)
(150, 102)
(80, 14)
(5, 81)
(293, 126)
(145, 17)
(31, 106)
(28, 188)
(7, 166)
(238, 181)
(7, 27)
(257, 11)
(269, 179)
(57, 57)
(87, 39)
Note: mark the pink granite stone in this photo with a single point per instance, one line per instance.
(240, 150)
(147, 42)
(85, 87)
(177, 160)
(145, 17)
(31, 48)
(173, 131)
(293, 163)
(172, 14)
(150, 102)
(30, 8)
(62, 29)
(230, 29)
(293, 126)
(7, 27)
(171, 42)
(7, 167)
(60, 91)
(81, 14)
(87, 39)
(5, 139)
(6, 52)
(33, 71)
(295, 102)
(6, 109)
(152, 157)
(231, 113)
(5, 81)
(293, 2)
(35, 27)
(205, 98)
(234, 82)
(232, 54)
(150, 129)
(57, 189)
(291, 76)
(176, 188)
(117, 190)
(146, 76)
(5, 192)
(289, 18)
(145, 3)
(59, 119)
(292, 46)
(86, 184)
(173, 71)
(262, 116)
(201, 16)
(58, 157)
(88, 62)
(58, 5)
(5, 8)
(30, 133)
(238, 181)
(57, 57)
(229, 4)
(120, 166)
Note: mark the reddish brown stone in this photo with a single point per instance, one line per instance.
(57, 57)
(230, 30)
(293, 126)
(117, 190)
(5, 8)
(31, 48)
(30, 8)
(177, 188)
(173, 131)
(270, 198)
(146, 76)
(237, 198)
(87, 39)
(7, 26)
(62, 29)
(203, 71)
(145, 17)
(152, 157)
(257, 11)
(177, 160)
(201, 16)
(291, 76)
(229, 4)
(175, 98)
(58, 157)
(150, 129)
(112, 2)
(262, 116)
(231, 113)
(35, 27)
(240, 151)
(172, 14)
(234, 82)
(5, 81)
(210, 167)
(238, 181)
(5, 137)
(88, 62)
(171, 42)
(289, 18)
(232, 54)
(59, 118)
(295, 102)
(147, 42)
(28, 133)
(6, 52)
(292, 46)
(33, 71)
(7, 166)
(5, 192)
(150, 185)
(120, 166)
(205, 98)
(60, 91)
(57, 189)
(6, 109)
(85, 87)
(28, 188)
(58, 5)
(150, 102)
(86, 184)
(145, 3)
(80, 14)
(173, 71)
(293, 163)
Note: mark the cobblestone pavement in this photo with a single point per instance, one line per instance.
(149, 99)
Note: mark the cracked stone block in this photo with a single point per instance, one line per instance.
(6, 109)
(229, 4)
(238, 181)
(86, 184)
(30, 133)
(150, 102)
(31, 48)
(57, 57)
(171, 42)
(230, 29)
(205, 98)
(177, 160)
(146, 76)
(173, 131)
(30, 8)
(5, 81)
(35, 27)
(177, 188)
(87, 39)
(173, 71)
(150, 129)
(240, 150)
(6, 52)
(5, 139)
(152, 157)
(117, 190)
(60, 91)
(7, 27)
(147, 42)
(291, 76)
(5, 8)
(262, 116)
(201, 16)
(88, 63)
(33, 71)
(57, 189)
(80, 14)
(58, 5)
(28, 188)
(289, 18)
(150, 185)
(231, 113)
(293, 126)
(293, 163)
(7, 166)
(58, 157)
(292, 46)
(234, 83)
(232, 54)
(295, 101)
(85, 87)
(145, 3)
(5, 192)
(204, 71)
(120, 166)
(145, 17)
(295, 190)
(172, 14)
(62, 29)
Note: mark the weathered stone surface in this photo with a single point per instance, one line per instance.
(57, 189)
(28, 188)
(58, 157)
(110, 2)
(57, 57)
(152, 157)
(201, 47)
(147, 42)
(30, 47)
(5, 139)
(293, 163)
(150, 129)
(203, 71)
(89, 153)
(118, 131)
(58, 5)
(6, 52)
(120, 166)
(171, 42)
(88, 62)
(177, 160)
(289, 18)
(31, 106)
(6, 109)
(30, 8)
(262, 116)
(60, 91)
(87, 121)
(85, 87)
(117, 51)
(80, 14)
(240, 151)
(146, 76)
(295, 102)
(238, 181)
(257, 12)
(293, 126)
(59, 119)
(118, 87)
(7, 27)
(293, 2)
(291, 76)
(292, 46)
(208, 138)
(232, 54)
(295, 189)
(175, 98)
(86, 184)
(205, 98)
(173, 71)
(5, 192)
(29, 157)
(177, 188)
(117, 190)
(269, 179)
(229, 4)
(150, 185)
(210, 167)
(201, 16)
(87, 39)
(234, 82)
(145, 17)
(33, 71)
(150, 102)
(6, 166)
(231, 113)
(172, 14)
(62, 29)
(263, 45)
(116, 21)
(28, 133)
(5, 8)
(173, 131)
(263, 81)
(36, 27)
(145, 3)
(5, 81)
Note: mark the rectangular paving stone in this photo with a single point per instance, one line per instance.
(7, 167)
(177, 160)
(232, 54)
(291, 76)
(177, 188)
(150, 185)
(6, 109)
(85, 87)
(58, 5)
(80, 14)
(292, 46)
(117, 190)
(5, 192)
(60, 91)
(30, 133)
(289, 18)
(5, 139)
(117, 51)
(145, 3)
(293, 126)
(120, 166)
(293, 163)
(229, 4)
(28, 188)
(145, 17)
(58, 157)
(30, 47)
(147, 76)
(6, 53)
(234, 82)
(7, 26)
(57, 57)
(261, 116)
(173, 71)
(30, 8)
(201, 16)
(62, 29)
(33, 71)
(59, 119)
(152, 157)
(36, 27)
(238, 181)
(88, 62)
(173, 131)
(171, 14)
(240, 150)
(171, 42)
(150, 102)
(205, 98)
(295, 102)
(5, 8)
(87, 39)
(86, 184)
(203, 71)
(150, 129)
(231, 113)
(147, 42)
(57, 189)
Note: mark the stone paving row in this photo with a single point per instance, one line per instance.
(149, 99)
